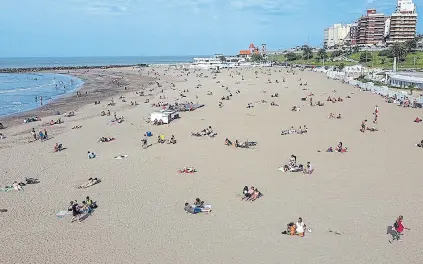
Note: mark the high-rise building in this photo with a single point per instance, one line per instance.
(353, 35)
(403, 23)
(336, 35)
(371, 28)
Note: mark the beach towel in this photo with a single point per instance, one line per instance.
(6, 189)
(119, 157)
(63, 213)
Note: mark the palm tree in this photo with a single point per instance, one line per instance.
(307, 52)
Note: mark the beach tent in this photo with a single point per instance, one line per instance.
(165, 116)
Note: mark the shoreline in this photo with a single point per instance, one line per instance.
(64, 68)
(92, 78)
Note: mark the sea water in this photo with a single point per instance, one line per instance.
(21, 92)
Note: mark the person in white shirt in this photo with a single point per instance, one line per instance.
(300, 227)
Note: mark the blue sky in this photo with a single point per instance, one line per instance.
(42, 28)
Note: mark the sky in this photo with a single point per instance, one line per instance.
(68, 28)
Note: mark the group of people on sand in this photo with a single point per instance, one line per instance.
(205, 132)
(80, 212)
(334, 100)
(296, 229)
(161, 139)
(105, 114)
(2, 126)
(250, 194)
(197, 207)
(365, 128)
(292, 130)
(246, 144)
(106, 139)
(292, 166)
(18, 186)
(332, 116)
(58, 121)
(32, 119)
(58, 147)
(339, 148)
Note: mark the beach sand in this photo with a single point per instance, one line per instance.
(140, 218)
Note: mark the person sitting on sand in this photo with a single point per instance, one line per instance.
(86, 209)
(339, 147)
(228, 142)
(91, 155)
(1, 126)
(17, 186)
(256, 194)
(329, 99)
(2, 136)
(292, 161)
(308, 169)
(103, 113)
(320, 103)
(339, 116)
(417, 120)
(172, 140)
(237, 145)
(58, 147)
(329, 149)
(300, 227)
(198, 202)
(108, 113)
(249, 194)
(363, 126)
(161, 139)
(420, 145)
(74, 207)
(331, 115)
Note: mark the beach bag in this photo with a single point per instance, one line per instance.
(396, 224)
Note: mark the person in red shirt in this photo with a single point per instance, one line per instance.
(398, 228)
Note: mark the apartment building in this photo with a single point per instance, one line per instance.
(403, 23)
(336, 35)
(371, 28)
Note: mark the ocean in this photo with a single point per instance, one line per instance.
(22, 91)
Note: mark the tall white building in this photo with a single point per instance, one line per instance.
(403, 23)
(336, 34)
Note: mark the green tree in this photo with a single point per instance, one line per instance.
(322, 55)
(366, 56)
(307, 52)
(398, 50)
(341, 66)
(222, 58)
(356, 49)
(256, 57)
(291, 56)
(382, 61)
(336, 53)
(411, 44)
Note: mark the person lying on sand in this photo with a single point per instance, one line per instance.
(89, 183)
(192, 209)
(102, 113)
(58, 147)
(187, 170)
(106, 139)
(320, 103)
(172, 140)
(18, 186)
(2, 136)
(371, 129)
(295, 108)
(76, 127)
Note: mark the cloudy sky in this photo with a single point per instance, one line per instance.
(31, 28)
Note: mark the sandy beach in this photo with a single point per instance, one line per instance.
(140, 216)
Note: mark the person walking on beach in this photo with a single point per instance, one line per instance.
(397, 229)
(41, 100)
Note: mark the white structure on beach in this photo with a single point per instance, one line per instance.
(219, 61)
(164, 116)
(406, 80)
